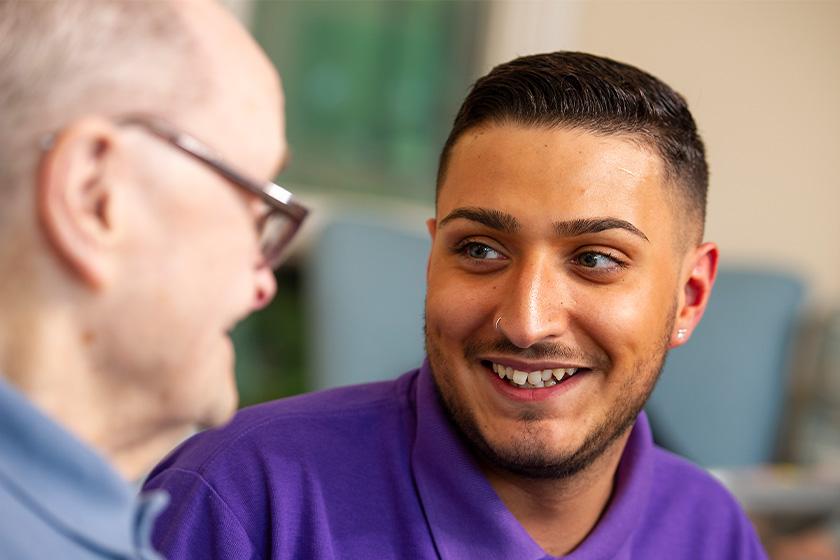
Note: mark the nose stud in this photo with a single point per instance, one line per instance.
(497, 322)
(681, 333)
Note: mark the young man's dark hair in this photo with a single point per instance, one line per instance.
(595, 94)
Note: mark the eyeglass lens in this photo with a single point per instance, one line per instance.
(277, 231)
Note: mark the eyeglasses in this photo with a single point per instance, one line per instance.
(276, 229)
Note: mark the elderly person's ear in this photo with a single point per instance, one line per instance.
(75, 197)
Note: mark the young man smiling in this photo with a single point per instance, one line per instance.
(567, 258)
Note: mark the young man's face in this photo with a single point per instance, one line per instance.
(553, 250)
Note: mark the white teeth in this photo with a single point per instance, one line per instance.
(539, 378)
(500, 370)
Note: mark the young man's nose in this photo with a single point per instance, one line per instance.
(532, 309)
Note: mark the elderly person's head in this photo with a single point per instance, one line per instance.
(137, 223)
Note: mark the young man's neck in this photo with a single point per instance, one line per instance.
(560, 513)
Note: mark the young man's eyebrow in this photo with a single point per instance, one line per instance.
(507, 223)
(494, 219)
(583, 226)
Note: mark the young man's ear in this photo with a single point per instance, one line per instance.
(697, 284)
(74, 192)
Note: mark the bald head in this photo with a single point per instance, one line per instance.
(66, 58)
(63, 59)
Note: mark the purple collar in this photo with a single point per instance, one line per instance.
(467, 518)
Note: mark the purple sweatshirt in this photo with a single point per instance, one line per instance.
(377, 471)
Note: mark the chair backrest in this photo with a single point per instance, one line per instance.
(720, 398)
(365, 283)
(829, 383)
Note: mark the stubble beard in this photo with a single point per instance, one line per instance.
(530, 456)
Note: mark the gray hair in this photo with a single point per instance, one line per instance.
(62, 59)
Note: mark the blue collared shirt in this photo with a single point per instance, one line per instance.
(59, 498)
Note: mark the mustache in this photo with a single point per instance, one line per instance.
(540, 351)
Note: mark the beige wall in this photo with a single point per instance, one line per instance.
(763, 81)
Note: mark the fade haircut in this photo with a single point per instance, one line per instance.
(63, 59)
(594, 94)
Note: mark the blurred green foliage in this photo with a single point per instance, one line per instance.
(371, 88)
(270, 345)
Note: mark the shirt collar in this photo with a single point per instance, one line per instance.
(458, 499)
(68, 484)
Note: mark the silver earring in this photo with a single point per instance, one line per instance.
(497, 322)
(681, 333)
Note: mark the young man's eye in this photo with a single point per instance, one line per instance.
(595, 260)
(479, 251)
